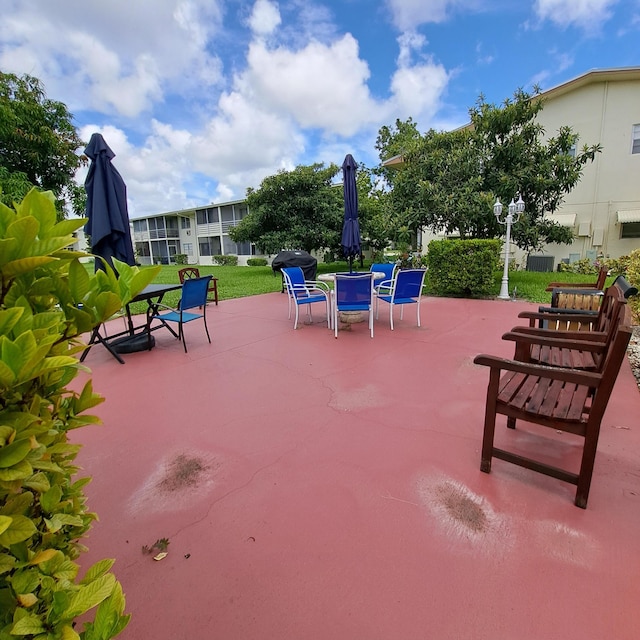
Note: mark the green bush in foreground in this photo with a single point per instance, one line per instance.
(257, 262)
(47, 300)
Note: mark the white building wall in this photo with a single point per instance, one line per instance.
(602, 108)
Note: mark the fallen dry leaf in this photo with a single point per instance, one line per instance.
(160, 556)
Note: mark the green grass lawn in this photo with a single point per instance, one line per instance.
(238, 282)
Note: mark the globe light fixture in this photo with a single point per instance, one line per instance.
(515, 210)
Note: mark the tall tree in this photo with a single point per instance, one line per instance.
(38, 144)
(449, 180)
(294, 209)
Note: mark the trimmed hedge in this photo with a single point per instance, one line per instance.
(463, 267)
(226, 260)
(257, 262)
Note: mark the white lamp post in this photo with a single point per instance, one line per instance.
(515, 211)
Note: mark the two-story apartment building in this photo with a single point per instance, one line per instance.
(199, 233)
(603, 210)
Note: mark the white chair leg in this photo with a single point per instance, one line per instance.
(295, 324)
(371, 320)
(418, 312)
(391, 315)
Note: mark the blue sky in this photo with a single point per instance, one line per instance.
(200, 99)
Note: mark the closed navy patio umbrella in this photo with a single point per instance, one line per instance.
(350, 228)
(108, 224)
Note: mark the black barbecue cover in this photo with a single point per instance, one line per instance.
(302, 259)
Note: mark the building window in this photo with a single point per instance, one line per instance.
(185, 223)
(210, 246)
(635, 139)
(140, 225)
(630, 230)
(572, 151)
(187, 248)
(207, 216)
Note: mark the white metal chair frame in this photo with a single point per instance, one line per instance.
(300, 291)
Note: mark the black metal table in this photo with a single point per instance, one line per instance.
(153, 295)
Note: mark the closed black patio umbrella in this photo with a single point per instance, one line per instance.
(108, 224)
(350, 228)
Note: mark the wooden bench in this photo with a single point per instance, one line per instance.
(562, 399)
(598, 284)
(579, 344)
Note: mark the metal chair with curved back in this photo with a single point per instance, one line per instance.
(193, 272)
(353, 292)
(301, 291)
(388, 268)
(405, 288)
(194, 294)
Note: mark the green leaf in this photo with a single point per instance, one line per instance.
(68, 633)
(29, 625)
(5, 523)
(7, 376)
(25, 265)
(13, 453)
(19, 471)
(98, 569)
(38, 482)
(78, 281)
(9, 318)
(22, 528)
(59, 520)
(17, 505)
(90, 595)
(25, 580)
(51, 499)
(7, 563)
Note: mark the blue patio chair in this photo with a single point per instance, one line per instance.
(388, 268)
(194, 294)
(301, 291)
(353, 292)
(405, 288)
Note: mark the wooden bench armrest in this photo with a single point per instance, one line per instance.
(560, 343)
(569, 315)
(571, 285)
(589, 336)
(574, 376)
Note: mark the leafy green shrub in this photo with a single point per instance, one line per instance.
(584, 266)
(226, 260)
(180, 258)
(257, 262)
(633, 276)
(462, 267)
(47, 300)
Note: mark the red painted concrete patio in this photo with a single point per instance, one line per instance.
(314, 488)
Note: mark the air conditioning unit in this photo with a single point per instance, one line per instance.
(584, 229)
(540, 263)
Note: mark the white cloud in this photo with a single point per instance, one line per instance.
(265, 17)
(183, 134)
(323, 86)
(115, 57)
(409, 14)
(586, 14)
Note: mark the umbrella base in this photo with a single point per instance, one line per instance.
(133, 344)
(351, 317)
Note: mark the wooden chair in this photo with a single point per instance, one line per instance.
(559, 398)
(193, 272)
(574, 347)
